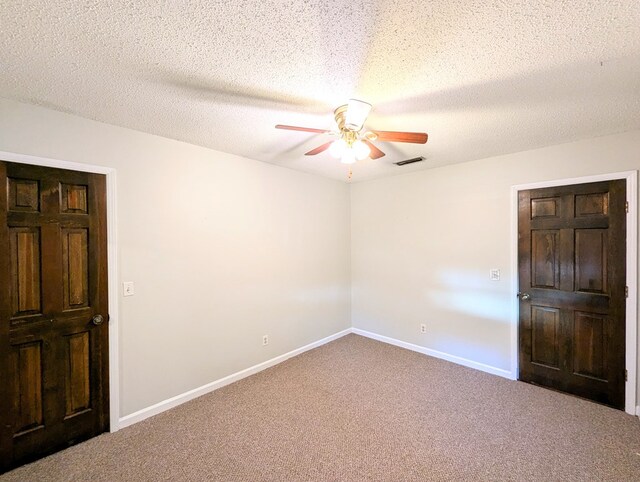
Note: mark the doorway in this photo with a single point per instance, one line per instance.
(572, 289)
(53, 310)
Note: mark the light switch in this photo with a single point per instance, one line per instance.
(494, 274)
(127, 288)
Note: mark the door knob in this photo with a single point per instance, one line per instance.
(97, 320)
(524, 296)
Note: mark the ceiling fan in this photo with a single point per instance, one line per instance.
(354, 142)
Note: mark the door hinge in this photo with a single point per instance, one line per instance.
(626, 291)
(626, 376)
(626, 206)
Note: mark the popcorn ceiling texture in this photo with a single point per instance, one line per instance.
(483, 78)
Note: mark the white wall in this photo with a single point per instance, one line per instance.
(225, 249)
(222, 250)
(423, 245)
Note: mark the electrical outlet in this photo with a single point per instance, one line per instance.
(265, 340)
(494, 274)
(423, 328)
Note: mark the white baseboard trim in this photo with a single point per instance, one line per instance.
(210, 387)
(437, 354)
(638, 411)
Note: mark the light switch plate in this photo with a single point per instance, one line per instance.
(494, 274)
(127, 288)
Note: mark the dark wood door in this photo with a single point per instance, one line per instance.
(53, 282)
(572, 242)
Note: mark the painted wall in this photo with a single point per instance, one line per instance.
(222, 250)
(423, 245)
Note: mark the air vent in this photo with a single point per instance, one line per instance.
(409, 161)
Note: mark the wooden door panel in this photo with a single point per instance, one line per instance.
(27, 381)
(590, 351)
(545, 265)
(78, 379)
(23, 195)
(75, 266)
(73, 199)
(545, 324)
(24, 252)
(592, 204)
(52, 282)
(545, 208)
(571, 258)
(591, 254)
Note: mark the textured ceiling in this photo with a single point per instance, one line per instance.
(481, 77)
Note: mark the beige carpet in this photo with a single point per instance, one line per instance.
(357, 409)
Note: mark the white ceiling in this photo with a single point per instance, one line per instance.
(481, 77)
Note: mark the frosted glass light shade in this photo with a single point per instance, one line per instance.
(348, 156)
(361, 150)
(357, 112)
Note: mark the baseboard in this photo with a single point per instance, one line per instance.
(638, 411)
(210, 387)
(436, 354)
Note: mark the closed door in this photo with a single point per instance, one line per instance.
(572, 242)
(53, 310)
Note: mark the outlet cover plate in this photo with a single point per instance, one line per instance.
(128, 288)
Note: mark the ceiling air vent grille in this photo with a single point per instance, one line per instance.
(409, 161)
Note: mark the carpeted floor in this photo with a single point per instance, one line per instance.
(358, 409)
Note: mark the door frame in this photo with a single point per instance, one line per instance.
(631, 315)
(112, 265)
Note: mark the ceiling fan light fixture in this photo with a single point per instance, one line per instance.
(354, 143)
(357, 112)
(337, 148)
(361, 150)
(348, 157)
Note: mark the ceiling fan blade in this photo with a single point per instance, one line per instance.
(319, 149)
(412, 137)
(303, 129)
(375, 152)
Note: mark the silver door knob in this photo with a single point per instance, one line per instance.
(97, 320)
(524, 296)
